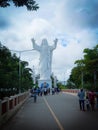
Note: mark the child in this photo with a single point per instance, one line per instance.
(87, 103)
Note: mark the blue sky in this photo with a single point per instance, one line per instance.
(73, 22)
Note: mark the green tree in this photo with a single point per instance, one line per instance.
(26, 77)
(9, 73)
(70, 84)
(85, 74)
(30, 4)
(91, 63)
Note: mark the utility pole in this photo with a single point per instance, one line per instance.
(82, 78)
(95, 79)
(20, 65)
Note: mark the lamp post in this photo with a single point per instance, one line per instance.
(82, 79)
(33, 75)
(95, 79)
(20, 65)
(64, 78)
(82, 75)
(55, 82)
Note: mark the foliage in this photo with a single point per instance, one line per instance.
(60, 85)
(70, 85)
(30, 4)
(88, 68)
(10, 80)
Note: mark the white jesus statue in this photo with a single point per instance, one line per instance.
(46, 53)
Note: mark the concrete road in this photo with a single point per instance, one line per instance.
(53, 112)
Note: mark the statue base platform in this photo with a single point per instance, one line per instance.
(48, 83)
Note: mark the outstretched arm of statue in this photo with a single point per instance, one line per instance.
(55, 41)
(55, 44)
(33, 41)
(35, 46)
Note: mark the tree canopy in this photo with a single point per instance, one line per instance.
(86, 71)
(10, 81)
(30, 4)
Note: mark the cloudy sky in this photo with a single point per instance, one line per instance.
(73, 22)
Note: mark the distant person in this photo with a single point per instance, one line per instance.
(35, 92)
(87, 103)
(81, 95)
(92, 99)
(53, 91)
(97, 100)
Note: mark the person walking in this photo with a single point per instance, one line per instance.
(96, 100)
(92, 99)
(35, 94)
(87, 103)
(81, 95)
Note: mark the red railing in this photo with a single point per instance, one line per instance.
(12, 103)
(71, 90)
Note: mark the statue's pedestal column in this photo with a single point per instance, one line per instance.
(48, 81)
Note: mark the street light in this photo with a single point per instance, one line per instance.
(33, 76)
(95, 78)
(82, 79)
(82, 75)
(20, 65)
(64, 78)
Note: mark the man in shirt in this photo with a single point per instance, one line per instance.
(81, 95)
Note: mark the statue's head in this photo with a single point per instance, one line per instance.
(44, 42)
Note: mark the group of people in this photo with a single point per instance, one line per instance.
(87, 100)
(43, 91)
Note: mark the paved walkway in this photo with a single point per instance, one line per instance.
(53, 112)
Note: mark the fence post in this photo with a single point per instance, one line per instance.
(7, 99)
